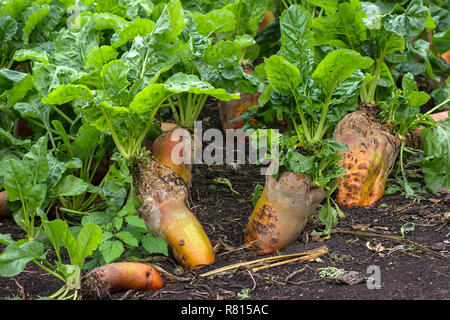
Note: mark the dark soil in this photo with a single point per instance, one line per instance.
(404, 270)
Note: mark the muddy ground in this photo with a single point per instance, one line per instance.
(389, 268)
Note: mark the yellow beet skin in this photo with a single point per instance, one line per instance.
(281, 212)
(373, 150)
(164, 209)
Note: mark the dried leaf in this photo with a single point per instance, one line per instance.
(318, 237)
(381, 228)
(361, 226)
(378, 247)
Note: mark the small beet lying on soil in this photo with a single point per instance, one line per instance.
(373, 150)
(282, 211)
(118, 276)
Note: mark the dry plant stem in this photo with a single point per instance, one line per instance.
(287, 258)
(170, 276)
(387, 236)
(298, 259)
(293, 274)
(373, 150)
(165, 210)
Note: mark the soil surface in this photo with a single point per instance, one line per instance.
(387, 267)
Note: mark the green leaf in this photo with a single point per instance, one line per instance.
(35, 109)
(67, 93)
(5, 135)
(436, 164)
(330, 6)
(346, 26)
(338, 66)
(181, 82)
(153, 244)
(219, 63)
(15, 257)
(14, 85)
(409, 84)
(108, 20)
(136, 222)
(441, 41)
(299, 163)
(117, 223)
(217, 21)
(10, 78)
(115, 82)
(409, 24)
(72, 46)
(128, 209)
(32, 16)
(35, 161)
(296, 37)
(54, 18)
(8, 28)
(55, 230)
(328, 216)
(6, 239)
(410, 91)
(98, 115)
(99, 218)
(418, 99)
(148, 100)
(171, 21)
(87, 241)
(86, 140)
(154, 54)
(149, 57)
(137, 27)
(111, 250)
(248, 14)
(49, 77)
(99, 56)
(283, 75)
(128, 238)
(407, 227)
(16, 180)
(70, 185)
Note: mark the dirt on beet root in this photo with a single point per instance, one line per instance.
(366, 259)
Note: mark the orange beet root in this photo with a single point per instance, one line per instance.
(168, 147)
(229, 110)
(119, 276)
(446, 57)
(4, 211)
(373, 150)
(268, 18)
